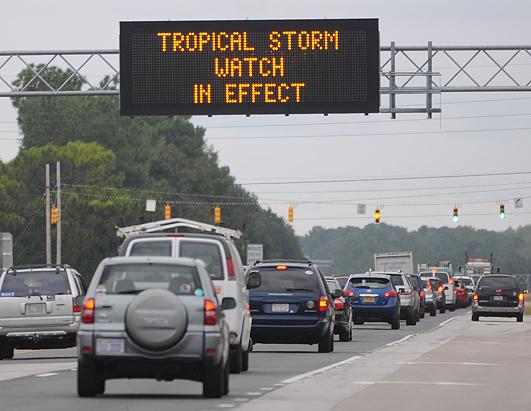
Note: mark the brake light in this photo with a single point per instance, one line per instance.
(349, 293)
(476, 297)
(338, 304)
(211, 314)
(390, 294)
(499, 290)
(429, 285)
(281, 268)
(451, 281)
(323, 303)
(230, 269)
(87, 317)
(521, 297)
(441, 288)
(422, 294)
(77, 308)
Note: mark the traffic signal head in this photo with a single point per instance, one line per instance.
(502, 211)
(54, 215)
(167, 212)
(377, 216)
(290, 214)
(455, 217)
(217, 215)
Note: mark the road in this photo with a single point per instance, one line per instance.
(51, 374)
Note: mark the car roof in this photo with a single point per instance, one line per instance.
(288, 263)
(191, 262)
(385, 273)
(371, 274)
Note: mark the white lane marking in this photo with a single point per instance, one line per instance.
(479, 364)
(267, 389)
(254, 393)
(451, 383)
(47, 374)
(401, 340)
(241, 399)
(73, 369)
(279, 384)
(447, 321)
(226, 405)
(320, 370)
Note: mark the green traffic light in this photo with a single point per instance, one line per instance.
(455, 219)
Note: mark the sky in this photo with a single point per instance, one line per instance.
(471, 135)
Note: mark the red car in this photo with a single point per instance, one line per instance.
(461, 295)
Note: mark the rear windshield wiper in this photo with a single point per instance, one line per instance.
(129, 292)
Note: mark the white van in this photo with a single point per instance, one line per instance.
(226, 270)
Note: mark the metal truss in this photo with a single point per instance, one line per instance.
(407, 73)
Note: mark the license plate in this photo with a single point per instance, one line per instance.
(35, 308)
(369, 299)
(110, 345)
(280, 308)
(498, 298)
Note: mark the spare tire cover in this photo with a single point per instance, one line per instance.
(156, 319)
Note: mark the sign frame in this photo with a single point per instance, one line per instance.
(255, 252)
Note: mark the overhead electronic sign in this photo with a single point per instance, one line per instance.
(249, 67)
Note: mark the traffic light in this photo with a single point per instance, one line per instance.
(502, 211)
(217, 215)
(455, 217)
(290, 214)
(377, 216)
(54, 217)
(167, 212)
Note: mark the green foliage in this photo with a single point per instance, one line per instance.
(352, 248)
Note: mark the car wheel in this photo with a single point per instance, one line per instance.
(395, 324)
(442, 310)
(433, 311)
(350, 332)
(411, 318)
(520, 318)
(213, 381)
(452, 307)
(326, 344)
(475, 317)
(423, 313)
(226, 378)
(236, 362)
(6, 352)
(245, 359)
(358, 322)
(89, 381)
(344, 334)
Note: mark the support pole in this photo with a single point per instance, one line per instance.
(392, 84)
(48, 223)
(429, 80)
(58, 260)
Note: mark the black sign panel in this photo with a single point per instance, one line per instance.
(249, 67)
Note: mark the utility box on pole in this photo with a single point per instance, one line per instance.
(6, 251)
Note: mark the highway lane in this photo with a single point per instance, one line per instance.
(271, 366)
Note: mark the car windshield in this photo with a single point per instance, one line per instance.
(291, 279)
(135, 278)
(28, 283)
(208, 252)
(498, 282)
(369, 282)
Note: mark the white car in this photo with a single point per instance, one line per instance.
(226, 270)
(449, 286)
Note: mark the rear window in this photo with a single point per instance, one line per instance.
(291, 280)
(397, 280)
(434, 284)
(466, 281)
(498, 282)
(369, 282)
(415, 281)
(151, 248)
(342, 281)
(28, 283)
(135, 278)
(207, 252)
(333, 285)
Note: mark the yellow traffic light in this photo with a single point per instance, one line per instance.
(217, 215)
(167, 212)
(54, 217)
(290, 214)
(377, 216)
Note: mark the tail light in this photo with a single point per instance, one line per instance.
(390, 294)
(451, 281)
(440, 289)
(499, 290)
(429, 285)
(230, 269)
(211, 313)
(87, 317)
(476, 297)
(422, 294)
(323, 303)
(521, 297)
(77, 308)
(349, 293)
(338, 304)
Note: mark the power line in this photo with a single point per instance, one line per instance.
(409, 216)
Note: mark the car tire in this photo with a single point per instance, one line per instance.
(6, 352)
(214, 381)
(475, 317)
(422, 313)
(520, 318)
(245, 358)
(395, 324)
(326, 344)
(358, 322)
(90, 382)
(226, 378)
(442, 310)
(411, 318)
(433, 311)
(236, 360)
(344, 334)
(452, 308)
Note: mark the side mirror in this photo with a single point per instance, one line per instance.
(228, 303)
(337, 293)
(401, 290)
(526, 290)
(445, 288)
(79, 300)
(254, 280)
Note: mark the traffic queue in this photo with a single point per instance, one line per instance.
(181, 305)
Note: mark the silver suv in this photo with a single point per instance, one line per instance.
(40, 307)
(153, 317)
(409, 297)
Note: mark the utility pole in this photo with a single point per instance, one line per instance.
(48, 223)
(58, 245)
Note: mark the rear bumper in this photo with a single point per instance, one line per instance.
(290, 334)
(497, 311)
(371, 313)
(40, 337)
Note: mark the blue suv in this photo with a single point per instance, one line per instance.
(373, 298)
(293, 305)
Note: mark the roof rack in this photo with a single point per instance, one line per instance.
(14, 268)
(162, 225)
(284, 260)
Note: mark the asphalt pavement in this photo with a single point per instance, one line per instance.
(52, 377)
